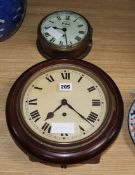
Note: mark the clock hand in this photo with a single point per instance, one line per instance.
(51, 114)
(64, 101)
(64, 30)
(58, 28)
(65, 38)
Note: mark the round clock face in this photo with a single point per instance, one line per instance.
(64, 34)
(64, 111)
(64, 29)
(64, 104)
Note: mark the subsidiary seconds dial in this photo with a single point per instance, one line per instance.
(64, 34)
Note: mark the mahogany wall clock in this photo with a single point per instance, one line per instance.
(64, 34)
(64, 111)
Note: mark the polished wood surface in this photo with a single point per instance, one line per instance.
(113, 51)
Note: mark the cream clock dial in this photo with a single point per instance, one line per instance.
(64, 34)
(66, 98)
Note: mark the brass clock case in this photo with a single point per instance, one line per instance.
(75, 51)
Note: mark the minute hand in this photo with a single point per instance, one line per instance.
(79, 114)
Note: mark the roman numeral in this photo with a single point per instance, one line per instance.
(67, 17)
(35, 115)
(51, 22)
(81, 32)
(50, 78)
(81, 25)
(46, 127)
(52, 40)
(96, 103)
(33, 102)
(61, 43)
(80, 78)
(65, 75)
(71, 43)
(82, 129)
(47, 34)
(35, 87)
(75, 20)
(58, 17)
(77, 38)
(92, 117)
(92, 88)
(47, 27)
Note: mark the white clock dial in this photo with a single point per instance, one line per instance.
(64, 29)
(63, 105)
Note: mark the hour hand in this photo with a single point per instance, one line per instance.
(58, 28)
(51, 114)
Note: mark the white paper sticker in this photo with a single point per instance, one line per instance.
(55, 33)
(58, 128)
(65, 86)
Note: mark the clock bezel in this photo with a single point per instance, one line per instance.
(52, 154)
(78, 50)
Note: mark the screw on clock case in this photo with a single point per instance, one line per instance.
(89, 149)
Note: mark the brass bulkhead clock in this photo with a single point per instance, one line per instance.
(64, 34)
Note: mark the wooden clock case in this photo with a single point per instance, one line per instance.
(87, 149)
